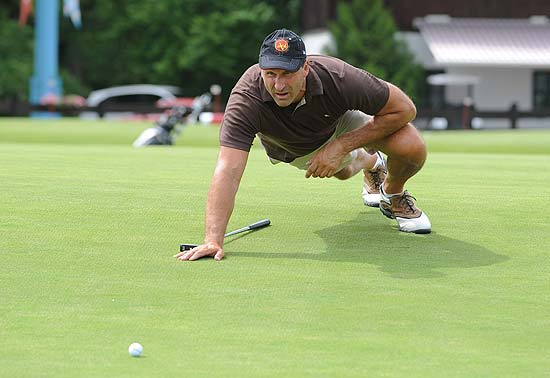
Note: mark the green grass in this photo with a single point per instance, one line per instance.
(89, 225)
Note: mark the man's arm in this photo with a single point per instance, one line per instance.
(220, 203)
(398, 111)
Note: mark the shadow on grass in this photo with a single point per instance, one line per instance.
(401, 255)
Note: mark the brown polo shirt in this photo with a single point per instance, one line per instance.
(332, 88)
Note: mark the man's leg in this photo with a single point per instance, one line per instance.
(356, 160)
(374, 174)
(406, 153)
(361, 160)
(372, 164)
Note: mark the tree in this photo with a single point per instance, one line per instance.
(223, 45)
(16, 61)
(365, 36)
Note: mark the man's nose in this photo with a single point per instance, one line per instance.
(280, 84)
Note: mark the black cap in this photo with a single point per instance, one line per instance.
(283, 49)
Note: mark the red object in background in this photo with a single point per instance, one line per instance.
(179, 101)
(25, 8)
(217, 119)
(51, 100)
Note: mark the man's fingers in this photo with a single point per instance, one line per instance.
(329, 172)
(199, 252)
(205, 252)
(219, 255)
(311, 169)
(197, 255)
(323, 171)
(185, 255)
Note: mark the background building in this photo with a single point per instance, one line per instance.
(492, 55)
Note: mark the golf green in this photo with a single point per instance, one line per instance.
(89, 226)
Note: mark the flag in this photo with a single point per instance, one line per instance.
(71, 9)
(25, 8)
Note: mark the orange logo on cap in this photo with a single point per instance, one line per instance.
(281, 45)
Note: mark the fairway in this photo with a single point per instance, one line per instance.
(89, 225)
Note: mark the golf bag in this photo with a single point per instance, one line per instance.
(170, 124)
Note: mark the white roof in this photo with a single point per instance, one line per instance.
(487, 42)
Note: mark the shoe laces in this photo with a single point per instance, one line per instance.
(407, 202)
(375, 178)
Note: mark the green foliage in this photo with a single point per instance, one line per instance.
(364, 32)
(72, 84)
(191, 43)
(16, 58)
(218, 49)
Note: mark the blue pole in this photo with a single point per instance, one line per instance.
(46, 80)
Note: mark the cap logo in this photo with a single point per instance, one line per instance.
(281, 45)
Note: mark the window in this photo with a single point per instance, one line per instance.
(541, 90)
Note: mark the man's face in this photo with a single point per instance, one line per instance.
(284, 86)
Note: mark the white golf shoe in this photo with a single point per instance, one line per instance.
(402, 208)
(373, 181)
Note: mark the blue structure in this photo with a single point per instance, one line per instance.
(46, 80)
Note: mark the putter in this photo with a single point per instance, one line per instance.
(250, 227)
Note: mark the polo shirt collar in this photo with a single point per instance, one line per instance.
(314, 86)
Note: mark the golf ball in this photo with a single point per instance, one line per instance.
(135, 349)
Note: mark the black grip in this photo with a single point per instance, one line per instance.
(187, 247)
(259, 224)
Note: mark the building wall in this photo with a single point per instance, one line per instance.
(419, 49)
(318, 41)
(498, 88)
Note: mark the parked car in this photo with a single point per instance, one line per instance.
(130, 101)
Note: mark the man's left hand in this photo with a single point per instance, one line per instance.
(326, 162)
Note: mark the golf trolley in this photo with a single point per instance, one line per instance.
(171, 123)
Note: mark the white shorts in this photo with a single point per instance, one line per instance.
(349, 121)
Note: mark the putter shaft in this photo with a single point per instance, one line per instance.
(253, 226)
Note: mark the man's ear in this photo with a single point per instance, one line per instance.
(306, 68)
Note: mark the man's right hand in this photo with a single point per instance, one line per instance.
(212, 249)
(221, 199)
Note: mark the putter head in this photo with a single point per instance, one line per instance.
(187, 247)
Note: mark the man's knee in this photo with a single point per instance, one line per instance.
(406, 145)
(416, 152)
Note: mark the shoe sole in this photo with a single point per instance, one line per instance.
(422, 232)
(374, 199)
(386, 212)
(371, 204)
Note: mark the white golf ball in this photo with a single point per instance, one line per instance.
(135, 349)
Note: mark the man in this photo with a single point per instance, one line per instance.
(312, 112)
